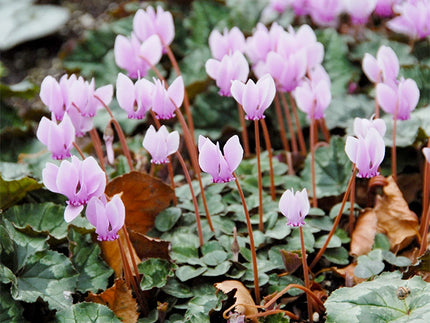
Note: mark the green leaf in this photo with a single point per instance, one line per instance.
(279, 231)
(6, 275)
(87, 312)
(13, 191)
(334, 242)
(381, 242)
(294, 240)
(185, 273)
(201, 305)
(49, 275)
(377, 301)
(177, 289)
(369, 265)
(332, 169)
(219, 270)
(155, 273)
(215, 258)
(337, 256)
(94, 273)
(167, 219)
(279, 283)
(10, 310)
(399, 261)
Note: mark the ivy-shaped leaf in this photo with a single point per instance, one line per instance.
(10, 310)
(87, 312)
(155, 272)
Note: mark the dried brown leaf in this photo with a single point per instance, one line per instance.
(395, 219)
(119, 299)
(245, 303)
(363, 236)
(147, 247)
(348, 273)
(144, 196)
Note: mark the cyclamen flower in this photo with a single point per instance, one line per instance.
(58, 138)
(399, 100)
(384, 68)
(227, 43)
(160, 144)
(255, 98)
(135, 99)
(384, 8)
(325, 12)
(295, 207)
(413, 19)
(81, 124)
(426, 153)
(362, 126)
(220, 166)
(165, 102)
(367, 153)
(359, 11)
(230, 68)
(78, 180)
(306, 39)
(51, 95)
(137, 57)
(148, 23)
(313, 96)
(107, 217)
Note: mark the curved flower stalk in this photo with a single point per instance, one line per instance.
(137, 57)
(165, 102)
(58, 138)
(359, 11)
(226, 43)
(220, 165)
(150, 22)
(412, 20)
(135, 98)
(78, 180)
(160, 144)
(231, 67)
(107, 217)
(295, 207)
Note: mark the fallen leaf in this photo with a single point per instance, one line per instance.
(112, 255)
(395, 219)
(119, 299)
(348, 274)
(147, 247)
(363, 236)
(245, 303)
(144, 196)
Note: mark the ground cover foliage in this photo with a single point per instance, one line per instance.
(51, 270)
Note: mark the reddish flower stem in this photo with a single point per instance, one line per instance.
(290, 123)
(80, 151)
(120, 133)
(425, 221)
(337, 220)
(284, 139)
(251, 242)
(98, 147)
(312, 144)
(193, 195)
(298, 126)
(393, 149)
(351, 208)
(287, 288)
(269, 150)
(260, 180)
(324, 129)
(306, 274)
(426, 193)
(245, 138)
(376, 105)
(130, 252)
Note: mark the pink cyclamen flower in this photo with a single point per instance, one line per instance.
(78, 180)
(230, 68)
(58, 138)
(255, 98)
(82, 124)
(313, 96)
(366, 153)
(384, 8)
(399, 100)
(51, 95)
(227, 43)
(359, 11)
(165, 102)
(325, 12)
(426, 153)
(413, 19)
(160, 144)
(137, 57)
(362, 126)
(107, 217)
(220, 166)
(384, 68)
(135, 99)
(305, 38)
(295, 207)
(148, 23)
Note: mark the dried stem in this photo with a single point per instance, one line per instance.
(284, 139)
(337, 220)
(251, 242)
(306, 274)
(298, 126)
(312, 144)
(269, 150)
(260, 179)
(290, 123)
(193, 195)
(245, 138)
(130, 252)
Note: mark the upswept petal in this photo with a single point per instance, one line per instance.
(172, 142)
(149, 141)
(123, 52)
(386, 97)
(116, 213)
(251, 100)
(233, 152)
(304, 98)
(237, 90)
(217, 45)
(151, 50)
(176, 91)
(267, 89)
(105, 93)
(212, 66)
(409, 95)
(68, 179)
(388, 62)
(124, 91)
(209, 158)
(51, 96)
(362, 158)
(93, 177)
(71, 212)
(351, 147)
(49, 177)
(371, 69)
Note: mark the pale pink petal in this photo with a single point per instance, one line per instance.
(371, 68)
(351, 147)
(172, 142)
(237, 90)
(387, 97)
(176, 91)
(233, 152)
(49, 177)
(212, 67)
(388, 61)
(71, 212)
(125, 93)
(267, 88)
(209, 158)
(151, 50)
